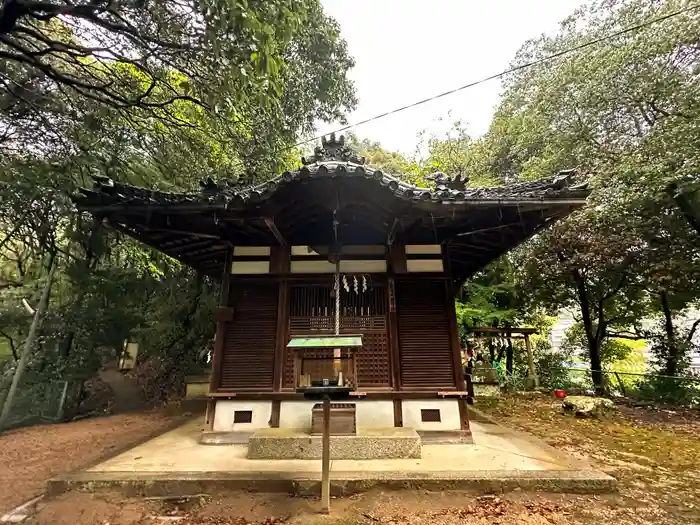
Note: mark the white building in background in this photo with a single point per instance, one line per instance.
(566, 320)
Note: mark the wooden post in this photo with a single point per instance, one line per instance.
(62, 401)
(28, 343)
(224, 315)
(455, 343)
(326, 457)
(393, 334)
(622, 385)
(531, 363)
(281, 337)
(459, 378)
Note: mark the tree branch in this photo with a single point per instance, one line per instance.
(692, 330)
(623, 335)
(614, 291)
(11, 341)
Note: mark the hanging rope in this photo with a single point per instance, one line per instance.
(336, 284)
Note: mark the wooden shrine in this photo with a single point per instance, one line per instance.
(400, 251)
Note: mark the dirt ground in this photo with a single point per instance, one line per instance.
(390, 508)
(653, 454)
(30, 456)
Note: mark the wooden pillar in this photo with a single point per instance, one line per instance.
(454, 337)
(460, 378)
(531, 363)
(452, 320)
(280, 257)
(224, 315)
(326, 457)
(397, 265)
(281, 336)
(398, 413)
(393, 335)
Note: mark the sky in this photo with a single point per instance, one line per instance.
(408, 50)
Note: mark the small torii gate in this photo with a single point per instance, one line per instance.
(487, 332)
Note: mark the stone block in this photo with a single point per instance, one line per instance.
(389, 443)
(582, 406)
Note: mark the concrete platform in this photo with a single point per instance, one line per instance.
(500, 459)
(367, 444)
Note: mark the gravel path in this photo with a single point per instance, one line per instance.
(30, 456)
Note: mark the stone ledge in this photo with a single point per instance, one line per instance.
(213, 437)
(390, 443)
(136, 484)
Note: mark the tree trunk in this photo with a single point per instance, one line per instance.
(592, 337)
(672, 356)
(691, 215)
(509, 357)
(29, 343)
(596, 367)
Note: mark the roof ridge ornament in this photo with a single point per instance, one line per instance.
(445, 182)
(332, 149)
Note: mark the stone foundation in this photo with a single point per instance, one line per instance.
(382, 443)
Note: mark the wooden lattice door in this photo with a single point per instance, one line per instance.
(311, 311)
(424, 336)
(250, 339)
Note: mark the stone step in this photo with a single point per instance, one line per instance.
(374, 443)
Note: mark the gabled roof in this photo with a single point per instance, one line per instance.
(296, 207)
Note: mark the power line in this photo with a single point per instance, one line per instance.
(506, 72)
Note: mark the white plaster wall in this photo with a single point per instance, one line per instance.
(251, 251)
(424, 265)
(353, 266)
(423, 249)
(375, 413)
(250, 267)
(223, 415)
(296, 414)
(449, 414)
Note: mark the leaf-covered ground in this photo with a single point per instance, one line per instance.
(653, 454)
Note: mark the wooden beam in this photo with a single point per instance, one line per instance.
(275, 231)
(196, 234)
(190, 246)
(392, 231)
(501, 331)
(290, 395)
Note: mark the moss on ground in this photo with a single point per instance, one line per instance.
(654, 454)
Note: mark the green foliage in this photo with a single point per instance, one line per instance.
(621, 112)
(226, 92)
(612, 350)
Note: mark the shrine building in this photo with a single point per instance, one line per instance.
(337, 238)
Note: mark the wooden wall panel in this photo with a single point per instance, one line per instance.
(249, 351)
(425, 347)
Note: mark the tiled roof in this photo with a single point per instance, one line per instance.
(333, 163)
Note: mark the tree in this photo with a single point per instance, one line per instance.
(252, 78)
(622, 113)
(83, 46)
